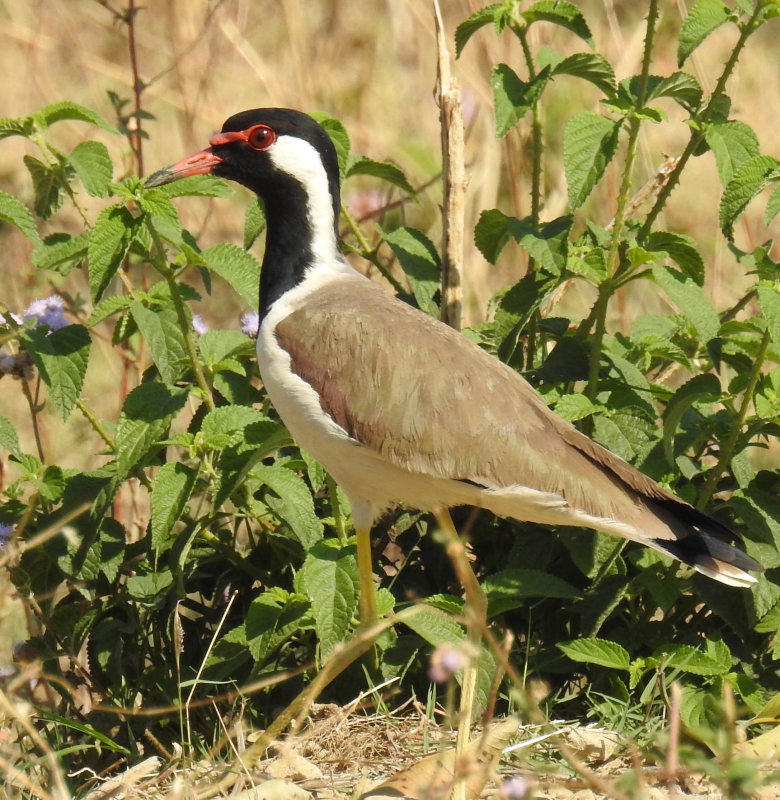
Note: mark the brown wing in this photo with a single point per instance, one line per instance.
(433, 402)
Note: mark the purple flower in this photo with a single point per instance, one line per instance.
(250, 323)
(198, 325)
(47, 311)
(6, 531)
(446, 660)
(514, 788)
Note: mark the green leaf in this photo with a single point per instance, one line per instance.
(360, 165)
(589, 144)
(17, 214)
(491, 233)
(92, 164)
(218, 345)
(69, 110)
(238, 267)
(163, 215)
(772, 206)
(562, 13)
(293, 503)
(114, 231)
(224, 426)
(679, 86)
(164, 337)
(704, 17)
(597, 651)
(194, 186)
(329, 577)
(508, 588)
(91, 733)
(61, 252)
(9, 439)
(420, 262)
(480, 18)
(715, 661)
(171, 490)
(750, 178)
(691, 299)
(769, 303)
(732, 143)
(681, 249)
(591, 67)
(146, 415)
(574, 406)
(61, 357)
(49, 184)
(700, 388)
(147, 589)
(111, 305)
(340, 138)
(513, 97)
(18, 126)
(254, 221)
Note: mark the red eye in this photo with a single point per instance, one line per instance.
(261, 137)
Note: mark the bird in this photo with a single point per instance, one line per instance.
(399, 407)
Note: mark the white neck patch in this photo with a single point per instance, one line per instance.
(300, 160)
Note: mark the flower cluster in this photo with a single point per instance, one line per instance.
(47, 311)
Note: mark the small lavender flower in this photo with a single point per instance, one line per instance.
(198, 325)
(250, 323)
(6, 532)
(47, 311)
(446, 660)
(514, 788)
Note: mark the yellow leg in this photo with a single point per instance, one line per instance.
(367, 601)
(475, 613)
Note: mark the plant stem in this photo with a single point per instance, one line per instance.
(161, 265)
(746, 31)
(607, 288)
(727, 449)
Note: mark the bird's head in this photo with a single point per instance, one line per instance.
(276, 152)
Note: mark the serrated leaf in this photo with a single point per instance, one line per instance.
(360, 165)
(591, 67)
(49, 185)
(339, 136)
(61, 252)
(691, 299)
(146, 415)
(16, 126)
(254, 221)
(329, 577)
(109, 240)
(704, 17)
(772, 206)
(507, 589)
(769, 303)
(750, 177)
(163, 215)
(491, 233)
(217, 345)
(679, 86)
(70, 110)
(92, 164)
(61, 357)
(293, 504)
(171, 490)
(111, 305)
(596, 651)
(574, 406)
(589, 144)
(420, 262)
(562, 13)
(239, 268)
(227, 421)
(16, 213)
(146, 589)
(164, 337)
(9, 439)
(732, 143)
(513, 97)
(681, 249)
(467, 28)
(700, 388)
(194, 186)
(715, 661)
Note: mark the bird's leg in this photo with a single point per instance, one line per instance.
(367, 601)
(475, 613)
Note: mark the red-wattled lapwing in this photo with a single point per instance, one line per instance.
(399, 407)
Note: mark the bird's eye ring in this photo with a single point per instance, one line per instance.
(260, 137)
